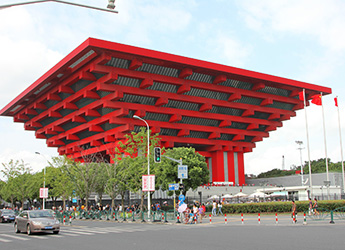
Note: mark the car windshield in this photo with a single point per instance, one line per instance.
(7, 212)
(40, 214)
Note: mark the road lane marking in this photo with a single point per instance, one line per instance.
(15, 237)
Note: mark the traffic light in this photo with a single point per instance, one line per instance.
(157, 154)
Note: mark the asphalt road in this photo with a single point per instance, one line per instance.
(251, 235)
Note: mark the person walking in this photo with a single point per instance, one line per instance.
(214, 208)
(220, 208)
(310, 206)
(316, 207)
(294, 212)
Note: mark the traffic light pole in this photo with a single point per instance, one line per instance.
(180, 163)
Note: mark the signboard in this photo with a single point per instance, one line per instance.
(173, 187)
(182, 171)
(148, 183)
(44, 193)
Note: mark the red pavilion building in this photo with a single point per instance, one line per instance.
(85, 104)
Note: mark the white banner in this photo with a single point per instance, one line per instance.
(148, 183)
(44, 193)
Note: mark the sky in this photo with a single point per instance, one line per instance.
(297, 39)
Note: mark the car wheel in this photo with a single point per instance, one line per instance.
(56, 232)
(16, 228)
(28, 229)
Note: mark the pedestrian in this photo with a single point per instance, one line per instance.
(316, 207)
(310, 206)
(214, 208)
(220, 208)
(294, 211)
(201, 213)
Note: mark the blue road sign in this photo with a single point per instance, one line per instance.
(173, 186)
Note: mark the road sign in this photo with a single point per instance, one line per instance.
(44, 193)
(182, 171)
(148, 183)
(173, 186)
(181, 197)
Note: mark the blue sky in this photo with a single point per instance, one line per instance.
(298, 39)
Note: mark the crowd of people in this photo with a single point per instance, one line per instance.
(193, 214)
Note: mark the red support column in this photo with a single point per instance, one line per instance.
(231, 167)
(241, 178)
(217, 166)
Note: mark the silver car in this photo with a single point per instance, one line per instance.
(34, 221)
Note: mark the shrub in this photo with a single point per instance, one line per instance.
(277, 206)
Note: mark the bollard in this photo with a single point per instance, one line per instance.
(259, 218)
(332, 221)
(70, 219)
(178, 219)
(293, 218)
(242, 218)
(64, 219)
(226, 220)
(163, 217)
(276, 218)
(305, 220)
(210, 219)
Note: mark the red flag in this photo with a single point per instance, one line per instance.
(336, 101)
(317, 100)
(301, 96)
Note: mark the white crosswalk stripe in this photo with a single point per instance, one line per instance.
(80, 232)
(15, 237)
(4, 240)
(70, 234)
(39, 237)
(76, 232)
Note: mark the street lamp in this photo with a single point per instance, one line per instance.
(110, 6)
(148, 162)
(44, 179)
(300, 152)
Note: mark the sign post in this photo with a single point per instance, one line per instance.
(148, 183)
(174, 187)
(43, 193)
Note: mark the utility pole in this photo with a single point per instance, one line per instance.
(300, 143)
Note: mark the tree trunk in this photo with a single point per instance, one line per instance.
(64, 203)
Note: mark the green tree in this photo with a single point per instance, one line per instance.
(101, 180)
(58, 180)
(21, 184)
(83, 176)
(132, 155)
(166, 171)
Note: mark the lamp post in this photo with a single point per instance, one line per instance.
(148, 162)
(110, 6)
(300, 152)
(44, 179)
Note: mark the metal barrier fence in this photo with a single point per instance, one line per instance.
(155, 216)
(66, 217)
(323, 214)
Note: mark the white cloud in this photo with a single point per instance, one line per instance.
(23, 62)
(321, 20)
(229, 51)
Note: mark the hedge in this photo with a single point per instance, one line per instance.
(276, 207)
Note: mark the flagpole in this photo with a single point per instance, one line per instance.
(341, 146)
(325, 142)
(308, 148)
